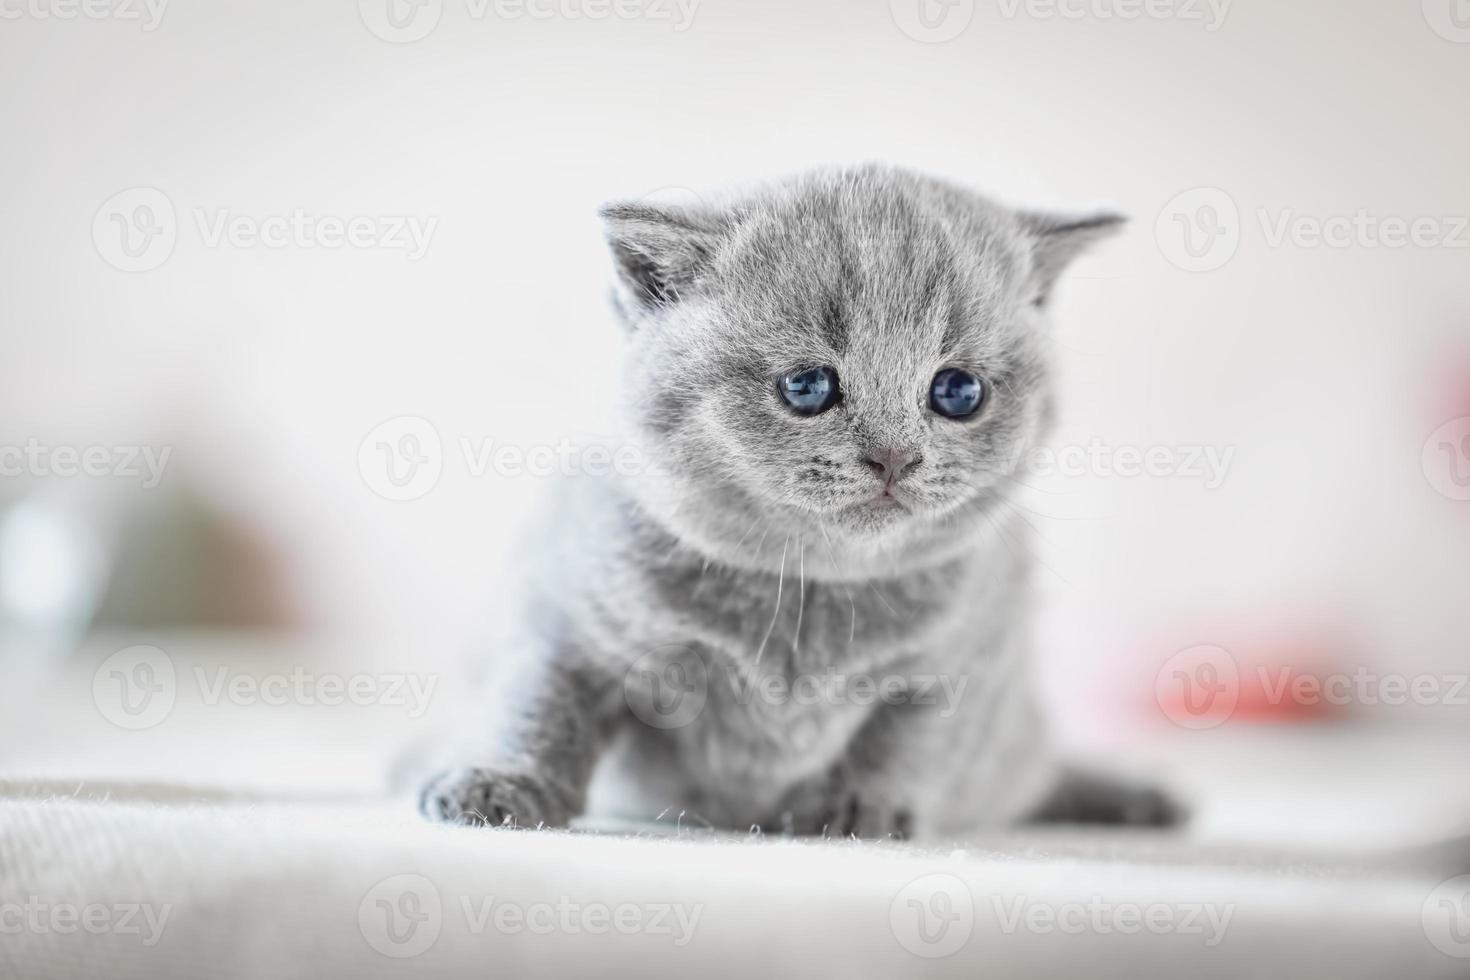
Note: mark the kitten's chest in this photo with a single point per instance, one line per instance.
(787, 627)
(746, 732)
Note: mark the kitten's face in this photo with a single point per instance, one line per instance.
(855, 356)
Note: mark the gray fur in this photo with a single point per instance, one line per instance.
(749, 553)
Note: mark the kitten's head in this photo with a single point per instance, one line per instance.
(857, 355)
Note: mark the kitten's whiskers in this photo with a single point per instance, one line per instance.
(801, 597)
(780, 581)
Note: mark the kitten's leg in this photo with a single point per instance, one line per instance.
(528, 760)
(887, 785)
(961, 747)
(842, 804)
(1009, 771)
(978, 757)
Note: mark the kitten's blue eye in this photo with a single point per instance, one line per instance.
(956, 394)
(810, 391)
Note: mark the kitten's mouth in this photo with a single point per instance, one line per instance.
(885, 500)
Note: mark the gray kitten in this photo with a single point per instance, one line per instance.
(809, 609)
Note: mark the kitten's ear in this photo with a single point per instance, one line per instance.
(659, 251)
(1057, 239)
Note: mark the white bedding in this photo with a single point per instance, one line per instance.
(200, 884)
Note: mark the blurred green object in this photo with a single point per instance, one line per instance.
(74, 559)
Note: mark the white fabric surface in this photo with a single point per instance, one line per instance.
(255, 887)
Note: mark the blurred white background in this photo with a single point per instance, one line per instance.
(262, 369)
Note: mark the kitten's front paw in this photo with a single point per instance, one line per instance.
(1088, 798)
(839, 808)
(486, 798)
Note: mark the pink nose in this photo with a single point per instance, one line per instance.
(890, 465)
